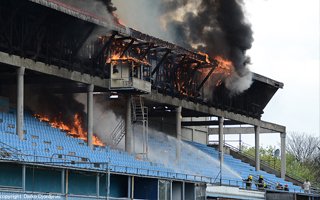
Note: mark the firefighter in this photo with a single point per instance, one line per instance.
(286, 187)
(260, 182)
(248, 182)
(279, 186)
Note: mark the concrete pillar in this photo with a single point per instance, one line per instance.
(257, 146)
(98, 184)
(20, 94)
(90, 114)
(178, 130)
(128, 125)
(108, 183)
(221, 142)
(67, 183)
(283, 155)
(63, 186)
(183, 190)
(23, 177)
(129, 187)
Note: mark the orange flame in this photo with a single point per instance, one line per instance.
(118, 57)
(206, 55)
(224, 69)
(74, 130)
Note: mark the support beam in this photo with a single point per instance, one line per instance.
(20, 96)
(128, 125)
(257, 147)
(90, 115)
(108, 182)
(98, 184)
(206, 78)
(127, 48)
(221, 142)
(183, 190)
(163, 99)
(178, 130)
(283, 155)
(63, 185)
(164, 57)
(53, 70)
(237, 130)
(209, 123)
(129, 187)
(23, 177)
(67, 183)
(105, 46)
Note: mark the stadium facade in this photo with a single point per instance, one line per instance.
(156, 147)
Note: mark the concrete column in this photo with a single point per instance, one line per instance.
(67, 182)
(63, 186)
(178, 130)
(20, 95)
(129, 187)
(257, 146)
(23, 177)
(108, 183)
(283, 155)
(221, 142)
(128, 125)
(90, 114)
(183, 190)
(98, 185)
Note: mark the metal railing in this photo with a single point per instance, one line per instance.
(274, 167)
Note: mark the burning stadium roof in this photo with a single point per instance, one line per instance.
(57, 33)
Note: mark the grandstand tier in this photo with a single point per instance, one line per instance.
(45, 151)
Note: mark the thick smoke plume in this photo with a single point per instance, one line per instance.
(107, 115)
(61, 107)
(216, 27)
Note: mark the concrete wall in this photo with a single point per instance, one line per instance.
(10, 175)
(4, 104)
(177, 190)
(189, 192)
(82, 183)
(195, 133)
(145, 188)
(168, 126)
(163, 124)
(280, 196)
(43, 180)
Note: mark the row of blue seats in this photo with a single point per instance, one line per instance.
(245, 169)
(40, 133)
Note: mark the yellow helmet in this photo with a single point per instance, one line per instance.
(250, 177)
(261, 176)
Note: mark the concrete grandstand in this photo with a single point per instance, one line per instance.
(91, 109)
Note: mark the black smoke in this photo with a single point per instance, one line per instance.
(109, 5)
(57, 107)
(217, 27)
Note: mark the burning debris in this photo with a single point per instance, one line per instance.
(61, 111)
(217, 27)
(75, 129)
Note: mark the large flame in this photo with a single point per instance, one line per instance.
(224, 69)
(74, 130)
(117, 57)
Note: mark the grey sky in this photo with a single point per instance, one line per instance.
(286, 48)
